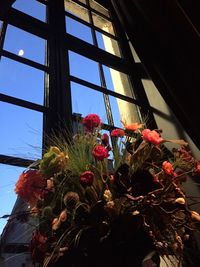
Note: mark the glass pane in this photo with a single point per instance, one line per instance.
(99, 8)
(32, 8)
(21, 81)
(108, 44)
(85, 101)
(84, 68)
(8, 177)
(102, 23)
(77, 10)
(117, 81)
(25, 44)
(78, 30)
(82, 1)
(123, 110)
(21, 131)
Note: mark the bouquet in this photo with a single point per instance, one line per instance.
(100, 197)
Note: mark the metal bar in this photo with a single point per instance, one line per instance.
(14, 161)
(58, 95)
(107, 91)
(25, 61)
(2, 36)
(27, 23)
(43, 2)
(101, 73)
(83, 48)
(22, 103)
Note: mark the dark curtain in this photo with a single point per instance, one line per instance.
(166, 37)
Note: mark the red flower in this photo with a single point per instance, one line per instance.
(117, 133)
(152, 136)
(197, 169)
(100, 152)
(168, 168)
(38, 246)
(91, 121)
(86, 178)
(105, 139)
(30, 186)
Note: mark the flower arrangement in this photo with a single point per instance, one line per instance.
(87, 202)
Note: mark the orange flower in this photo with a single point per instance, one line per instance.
(168, 168)
(133, 126)
(31, 186)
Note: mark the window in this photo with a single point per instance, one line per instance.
(74, 63)
(89, 73)
(21, 81)
(21, 131)
(32, 8)
(93, 101)
(25, 45)
(79, 30)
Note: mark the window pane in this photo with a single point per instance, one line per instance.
(77, 10)
(108, 44)
(99, 8)
(102, 23)
(25, 44)
(82, 1)
(21, 131)
(78, 30)
(117, 81)
(32, 8)
(86, 100)
(84, 68)
(21, 81)
(123, 110)
(8, 177)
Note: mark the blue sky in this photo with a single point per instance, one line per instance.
(21, 128)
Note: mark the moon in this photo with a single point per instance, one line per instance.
(21, 52)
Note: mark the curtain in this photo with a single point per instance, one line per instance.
(166, 36)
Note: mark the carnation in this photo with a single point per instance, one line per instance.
(31, 186)
(100, 152)
(117, 133)
(86, 204)
(86, 178)
(168, 168)
(152, 136)
(91, 121)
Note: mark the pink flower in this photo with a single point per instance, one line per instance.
(168, 168)
(91, 121)
(152, 136)
(117, 133)
(86, 178)
(100, 152)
